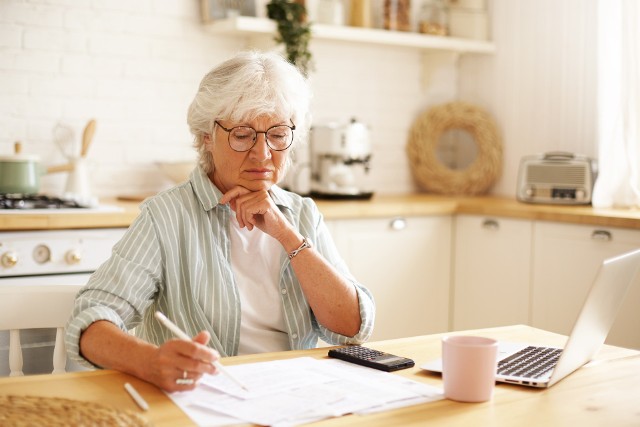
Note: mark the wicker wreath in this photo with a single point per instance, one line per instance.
(431, 174)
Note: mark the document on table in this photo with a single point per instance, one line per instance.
(298, 391)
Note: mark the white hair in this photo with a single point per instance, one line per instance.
(246, 86)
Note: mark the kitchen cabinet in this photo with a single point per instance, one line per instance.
(491, 271)
(509, 271)
(566, 258)
(250, 27)
(405, 262)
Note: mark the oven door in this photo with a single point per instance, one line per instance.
(37, 343)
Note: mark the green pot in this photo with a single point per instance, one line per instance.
(20, 174)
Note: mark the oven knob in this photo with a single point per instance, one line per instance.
(9, 259)
(42, 254)
(73, 257)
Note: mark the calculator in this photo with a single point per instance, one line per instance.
(371, 358)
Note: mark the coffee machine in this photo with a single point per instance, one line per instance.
(340, 157)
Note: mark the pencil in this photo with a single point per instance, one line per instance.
(136, 397)
(183, 336)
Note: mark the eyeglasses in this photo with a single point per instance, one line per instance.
(243, 138)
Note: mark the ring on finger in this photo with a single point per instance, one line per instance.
(184, 380)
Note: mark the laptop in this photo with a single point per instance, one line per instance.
(535, 366)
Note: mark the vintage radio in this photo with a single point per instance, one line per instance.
(556, 178)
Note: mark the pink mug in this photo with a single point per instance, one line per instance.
(469, 368)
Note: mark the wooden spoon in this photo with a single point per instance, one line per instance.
(87, 136)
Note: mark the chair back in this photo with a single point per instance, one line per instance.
(28, 307)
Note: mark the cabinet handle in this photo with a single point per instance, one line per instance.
(490, 224)
(398, 224)
(602, 235)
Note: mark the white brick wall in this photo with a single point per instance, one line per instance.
(135, 65)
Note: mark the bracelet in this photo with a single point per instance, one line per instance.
(305, 244)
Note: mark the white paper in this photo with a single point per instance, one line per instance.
(296, 391)
(201, 416)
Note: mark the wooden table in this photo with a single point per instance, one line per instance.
(604, 393)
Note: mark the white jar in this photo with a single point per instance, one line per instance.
(330, 12)
(468, 23)
(261, 8)
(311, 7)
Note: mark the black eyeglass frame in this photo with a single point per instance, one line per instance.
(255, 139)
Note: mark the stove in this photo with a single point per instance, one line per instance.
(36, 201)
(40, 204)
(53, 260)
(33, 254)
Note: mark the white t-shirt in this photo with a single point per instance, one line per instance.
(255, 260)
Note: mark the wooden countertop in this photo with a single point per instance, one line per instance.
(379, 207)
(426, 204)
(108, 218)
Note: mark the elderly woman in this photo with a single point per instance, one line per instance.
(239, 264)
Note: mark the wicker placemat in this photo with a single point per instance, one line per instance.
(23, 411)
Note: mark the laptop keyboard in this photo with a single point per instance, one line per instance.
(530, 362)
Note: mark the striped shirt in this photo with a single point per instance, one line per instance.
(175, 258)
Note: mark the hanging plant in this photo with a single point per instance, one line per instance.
(293, 31)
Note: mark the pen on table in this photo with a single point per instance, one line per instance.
(183, 336)
(136, 396)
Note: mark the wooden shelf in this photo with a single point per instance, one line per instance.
(249, 26)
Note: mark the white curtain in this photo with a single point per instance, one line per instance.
(618, 183)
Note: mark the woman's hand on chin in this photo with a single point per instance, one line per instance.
(256, 209)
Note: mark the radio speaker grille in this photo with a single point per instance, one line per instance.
(565, 174)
